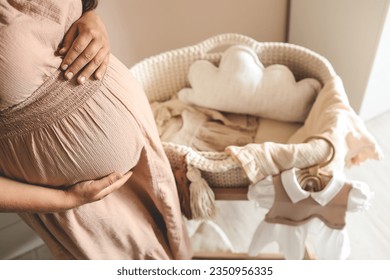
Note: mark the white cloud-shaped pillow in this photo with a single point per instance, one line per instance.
(241, 84)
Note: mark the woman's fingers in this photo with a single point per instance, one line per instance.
(86, 48)
(100, 59)
(99, 73)
(93, 190)
(68, 40)
(82, 51)
(111, 184)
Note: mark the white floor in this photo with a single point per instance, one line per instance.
(369, 231)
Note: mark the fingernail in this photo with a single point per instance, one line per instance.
(81, 80)
(69, 75)
(64, 66)
(98, 77)
(62, 51)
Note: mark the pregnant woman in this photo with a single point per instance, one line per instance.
(80, 156)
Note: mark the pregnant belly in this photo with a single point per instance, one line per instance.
(67, 133)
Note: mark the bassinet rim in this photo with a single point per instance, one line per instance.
(202, 51)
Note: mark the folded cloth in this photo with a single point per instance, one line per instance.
(200, 128)
(331, 117)
(275, 131)
(269, 158)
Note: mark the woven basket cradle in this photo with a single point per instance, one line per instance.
(163, 75)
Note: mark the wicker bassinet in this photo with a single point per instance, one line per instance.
(165, 74)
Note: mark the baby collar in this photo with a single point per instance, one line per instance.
(323, 197)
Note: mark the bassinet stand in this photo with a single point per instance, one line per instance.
(236, 194)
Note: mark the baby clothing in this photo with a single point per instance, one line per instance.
(293, 207)
(200, 128)
(296, 214)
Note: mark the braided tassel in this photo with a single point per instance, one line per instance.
(201, 196)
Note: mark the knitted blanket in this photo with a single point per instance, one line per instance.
(332, 117)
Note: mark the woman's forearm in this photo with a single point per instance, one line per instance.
(20, 197)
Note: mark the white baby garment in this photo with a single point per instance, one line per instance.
(329, 243)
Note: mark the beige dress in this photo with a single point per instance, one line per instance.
(56, 133)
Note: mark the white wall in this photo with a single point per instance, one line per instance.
(377, 96)
(347, 32)
(141, 28)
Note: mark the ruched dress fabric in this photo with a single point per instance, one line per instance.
(55, 133)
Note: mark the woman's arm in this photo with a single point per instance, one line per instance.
(21, 197)
(86, 48)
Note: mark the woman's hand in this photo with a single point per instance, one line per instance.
(19, 197)
(94, 190)
(86, 48)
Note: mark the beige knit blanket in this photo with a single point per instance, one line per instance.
(332, 117)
